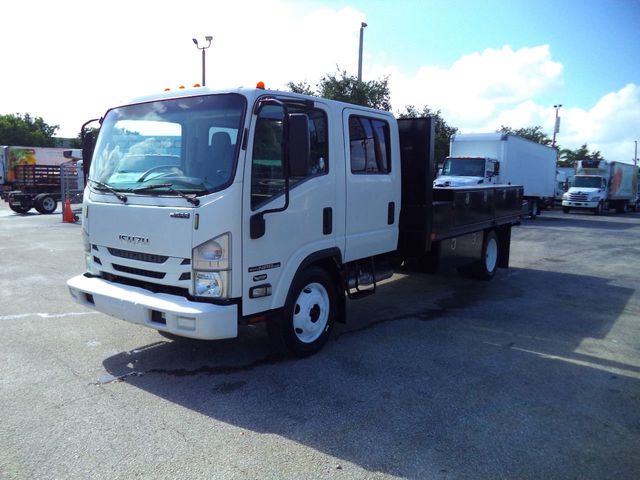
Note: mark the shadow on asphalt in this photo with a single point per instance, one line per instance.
(472, 379)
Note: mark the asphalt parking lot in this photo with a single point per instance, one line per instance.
(535, 374)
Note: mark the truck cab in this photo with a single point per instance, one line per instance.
(203, 208)
(467, 171)
(590, 187)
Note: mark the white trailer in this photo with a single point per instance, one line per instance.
(601, 185)
(207, 209)
(496, 158)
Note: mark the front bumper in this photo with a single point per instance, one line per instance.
(160, 311)
(572, 204)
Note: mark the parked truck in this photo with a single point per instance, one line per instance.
(601, 185)
(30, 177)
(497, 158)
(208, 210)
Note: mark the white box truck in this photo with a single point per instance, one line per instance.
(205, 210)
(601, 185)
(496, 158)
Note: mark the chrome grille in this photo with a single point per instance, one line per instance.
(578, 197)
(142, 257)
(137, 271)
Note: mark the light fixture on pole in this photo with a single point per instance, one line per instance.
(556, 126)
(208, 38)
(362, 25)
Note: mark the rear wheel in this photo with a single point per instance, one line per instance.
(309, 314)
(486, 268)
(45, 204)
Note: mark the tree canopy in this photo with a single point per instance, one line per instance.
(532, 133)
(25, 130)
(346, 88)
(568, 157)
(444, 131)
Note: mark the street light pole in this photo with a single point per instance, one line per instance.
(362, 25)
(208, 38)
(556, 127)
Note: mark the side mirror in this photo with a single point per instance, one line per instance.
(299, 145)
(88, 138)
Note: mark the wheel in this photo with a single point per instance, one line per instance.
(535, 209)
(623, 208)
(19, 208)
(599, 209)
(486, 268)
(308, 316)
(566, 209)
(45, 204)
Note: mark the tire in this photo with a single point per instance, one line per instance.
(309, 314)
(486, 268)
(45, 204)
(19, 209)
(535, 209)
(566, 209)
(623, 208)
(599, 209)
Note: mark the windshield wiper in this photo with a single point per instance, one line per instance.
(168, 186)
(104, 186)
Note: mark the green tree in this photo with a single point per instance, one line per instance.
(444, 131)
(26, 131)
(345, 88)
(568, 157)
(532, 133)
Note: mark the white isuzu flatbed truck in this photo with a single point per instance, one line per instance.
(205, 210)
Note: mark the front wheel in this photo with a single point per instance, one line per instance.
(535, 209)
(599, 209)
(566, 209)
(309, 314)
(19, 208)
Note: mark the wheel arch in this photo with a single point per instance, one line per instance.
(330, 260)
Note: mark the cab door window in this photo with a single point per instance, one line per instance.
(267, 165)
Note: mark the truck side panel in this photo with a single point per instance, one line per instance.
(530, 164)
(623, 181)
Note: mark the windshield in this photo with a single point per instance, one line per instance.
(186, 145)
(464, 167)
(587, 182)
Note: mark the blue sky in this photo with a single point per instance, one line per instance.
(597, 41)
(482, 63)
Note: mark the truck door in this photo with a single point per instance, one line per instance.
(372, 185)
(304, 227)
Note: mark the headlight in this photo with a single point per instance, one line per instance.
(595, 199)
(212, 268)
(211, 284)
(565, 196)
